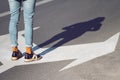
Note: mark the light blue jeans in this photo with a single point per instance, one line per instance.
(28, 10)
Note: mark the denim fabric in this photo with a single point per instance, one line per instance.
(28, 10)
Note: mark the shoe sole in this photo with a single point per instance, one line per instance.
(14, 58)
(30, 60)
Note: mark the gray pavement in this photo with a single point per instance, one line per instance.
(52, 17)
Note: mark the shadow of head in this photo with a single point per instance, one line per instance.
(91, 25)
(95, 24)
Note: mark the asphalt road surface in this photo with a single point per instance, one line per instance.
(62, 27)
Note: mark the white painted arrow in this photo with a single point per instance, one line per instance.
(81, 53)
(88, 52)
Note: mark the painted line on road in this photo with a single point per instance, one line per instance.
(37, 4)
(81, 53)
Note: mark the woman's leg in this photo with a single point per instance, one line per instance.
(28, 10)
(14, 18)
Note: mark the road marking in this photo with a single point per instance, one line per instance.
(37, 4)
(6, 53)
(81, 53)
(94, 50)
(4, 14)
(43, 2)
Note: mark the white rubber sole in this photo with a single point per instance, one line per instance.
(14, 58)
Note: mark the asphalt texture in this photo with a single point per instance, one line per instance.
(54, 18)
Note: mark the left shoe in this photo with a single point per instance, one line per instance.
(16, 55)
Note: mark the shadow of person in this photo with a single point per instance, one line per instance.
(71, 32)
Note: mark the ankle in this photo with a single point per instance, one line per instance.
(15, 49)
(28, 50)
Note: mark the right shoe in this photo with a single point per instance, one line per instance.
(16, 55)
(31, 57)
